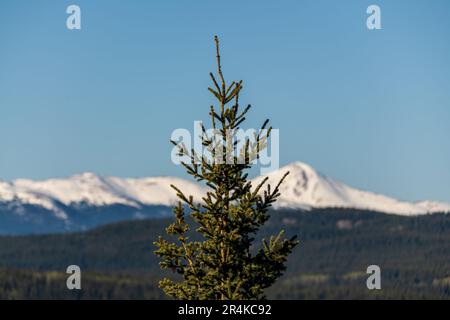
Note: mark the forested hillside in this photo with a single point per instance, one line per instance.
(336, 246)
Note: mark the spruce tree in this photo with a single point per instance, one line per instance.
(222, 263)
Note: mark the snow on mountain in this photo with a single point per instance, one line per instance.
(94, 190)
(10, 193)
(304, 188)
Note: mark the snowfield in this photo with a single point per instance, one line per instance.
(304, 188)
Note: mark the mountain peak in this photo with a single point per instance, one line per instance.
(86, 175)
(300, 170)
(303, 188)
(299, 166)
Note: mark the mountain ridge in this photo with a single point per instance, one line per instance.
(68, 199)
(306, 188)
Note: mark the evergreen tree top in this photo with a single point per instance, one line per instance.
(223, 262)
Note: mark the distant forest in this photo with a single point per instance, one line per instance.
(336, 247)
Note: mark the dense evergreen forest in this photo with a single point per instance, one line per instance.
(336, 247)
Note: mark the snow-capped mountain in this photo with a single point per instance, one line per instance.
(306, 188)
(87, 200)
(94, 190)
(84, 201)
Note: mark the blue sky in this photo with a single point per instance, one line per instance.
(371, 108)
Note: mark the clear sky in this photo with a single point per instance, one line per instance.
(371, 108)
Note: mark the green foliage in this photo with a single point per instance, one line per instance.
(221, 265)
(31, 284)
(413, 253)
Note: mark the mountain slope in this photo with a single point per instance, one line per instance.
(306, 188)
(84, 201)
(336, 247)
(96, 191)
